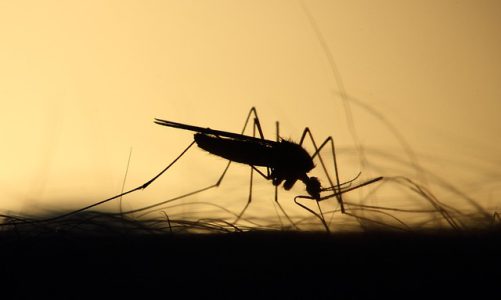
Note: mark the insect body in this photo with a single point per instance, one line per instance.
(285, 161)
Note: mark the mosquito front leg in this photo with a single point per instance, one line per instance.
(317, 152)
(320, 216)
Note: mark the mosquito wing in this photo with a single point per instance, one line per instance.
(231, 135)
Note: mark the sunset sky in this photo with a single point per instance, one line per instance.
(81, 81)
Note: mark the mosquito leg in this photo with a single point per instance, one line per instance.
(336, 188)
(257, 126)
(249, 200)
(329, 140)
(146, 184)
(277, 128)
(319, 216)
(252, 111)
(141, 187)
(277, 125)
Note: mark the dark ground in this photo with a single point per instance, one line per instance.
(254, 264)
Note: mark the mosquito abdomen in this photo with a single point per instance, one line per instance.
(245, 152)
(288, 160)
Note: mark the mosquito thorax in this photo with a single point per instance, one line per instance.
(292, 158)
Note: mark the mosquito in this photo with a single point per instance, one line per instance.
(286, 162)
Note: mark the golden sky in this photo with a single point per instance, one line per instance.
(81, 81)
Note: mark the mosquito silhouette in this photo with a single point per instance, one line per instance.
(285, 161)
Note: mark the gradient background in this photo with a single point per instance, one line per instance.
(80, 84)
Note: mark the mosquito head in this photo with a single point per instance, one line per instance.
(313, 187)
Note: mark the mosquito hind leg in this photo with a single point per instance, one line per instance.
(141, 187)
(252, 111)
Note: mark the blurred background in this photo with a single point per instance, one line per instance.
(414, 91)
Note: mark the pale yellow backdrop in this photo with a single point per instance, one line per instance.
(81, 81)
